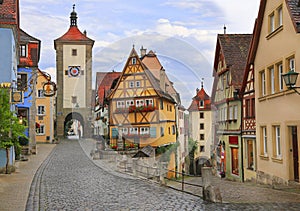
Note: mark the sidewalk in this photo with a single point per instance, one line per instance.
(14, 188)
(247, 192)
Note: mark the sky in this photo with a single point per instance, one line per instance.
(182, 33)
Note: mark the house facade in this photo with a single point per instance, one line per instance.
(29, 52)
(9, 26)
(229, 66)
(200, 119)
(140, 110)
(276, 51)
(249, 143)
(105, 82)
(45, 109)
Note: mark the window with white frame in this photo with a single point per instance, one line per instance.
(40, 93)
(264, 141)
(124, 131)
(144, 131)
(41, 110)
(291, 64)
(137, 84)
(149, 102)
(133, 131)
(235, 112)
(129, 103)
(277, 141)
(230, 112)
(271, 22)
(279, 13)
(263, 83)
(131, 84)
(139, 103)
(40, 130)
(120, 104)
(23, 50)
(201, 103)
(133, 60)
(280, 72)
(272, 80)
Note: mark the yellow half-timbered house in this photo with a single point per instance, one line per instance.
(141, 111)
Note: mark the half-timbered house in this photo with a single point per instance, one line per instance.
(247, 94)
(140, 109)
(229, 67)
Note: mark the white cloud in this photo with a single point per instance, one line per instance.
(52, 72)
(194, 5)
(239, 18)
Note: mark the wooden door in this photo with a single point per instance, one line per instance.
(295, 153)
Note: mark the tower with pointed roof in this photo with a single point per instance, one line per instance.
(200, 120)
(74, 78)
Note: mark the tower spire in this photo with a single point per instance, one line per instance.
(73, 17)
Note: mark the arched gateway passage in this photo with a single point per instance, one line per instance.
(74, 124)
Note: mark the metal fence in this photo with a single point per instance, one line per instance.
(185, 186)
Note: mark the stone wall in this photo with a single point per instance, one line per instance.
(268, 179)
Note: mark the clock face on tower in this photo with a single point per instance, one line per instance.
(74, 71)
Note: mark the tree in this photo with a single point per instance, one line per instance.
(10, 129)
(192, 146)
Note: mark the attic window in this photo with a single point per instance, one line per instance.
(133, 60)
(201, 103)
(23, 50)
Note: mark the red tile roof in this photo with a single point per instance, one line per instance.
(105, 81)
(235, 48)
(73, 34)
(9, 12)
(200, 95)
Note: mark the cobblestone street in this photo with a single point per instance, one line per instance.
(69, 180)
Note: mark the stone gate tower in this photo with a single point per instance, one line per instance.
(74, 78)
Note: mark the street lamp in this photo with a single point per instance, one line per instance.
(290, 79)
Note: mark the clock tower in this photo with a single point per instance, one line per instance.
(74, 79)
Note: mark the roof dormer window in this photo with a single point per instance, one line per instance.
(23, 50)
(133, 60)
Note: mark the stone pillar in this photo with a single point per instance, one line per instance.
(210, 193)
(206, 176)
(134, 166)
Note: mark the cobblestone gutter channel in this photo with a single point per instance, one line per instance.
(33, 201)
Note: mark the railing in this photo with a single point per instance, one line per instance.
(184, 183)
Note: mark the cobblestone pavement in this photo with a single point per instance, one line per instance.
(70, 180)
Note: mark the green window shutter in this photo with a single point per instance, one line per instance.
(152, 132)
(114, 132)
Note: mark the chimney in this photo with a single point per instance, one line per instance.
(143, 51)
(224, 29)
(84, 32)
(162, 79)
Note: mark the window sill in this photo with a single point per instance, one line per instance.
(277, 160)
(270, 96)
(273, 33)
(264, 157)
